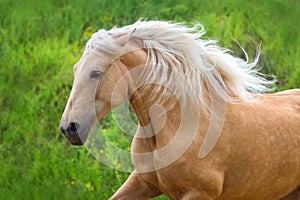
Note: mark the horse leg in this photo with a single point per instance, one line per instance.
(135, 188)
(295, 195)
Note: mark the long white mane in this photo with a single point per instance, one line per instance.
(205, 66)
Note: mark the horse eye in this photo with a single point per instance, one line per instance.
(96, 74)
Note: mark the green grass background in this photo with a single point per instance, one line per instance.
(41, 40)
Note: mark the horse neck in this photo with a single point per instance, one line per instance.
(141, 107)
(159, 116)
(157, 120)
(146, 105)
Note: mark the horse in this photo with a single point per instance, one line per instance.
(208, 125)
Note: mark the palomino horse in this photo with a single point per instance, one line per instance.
(207, 130)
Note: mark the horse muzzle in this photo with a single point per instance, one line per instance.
(71, 131)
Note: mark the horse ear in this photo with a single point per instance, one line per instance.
(124, 39)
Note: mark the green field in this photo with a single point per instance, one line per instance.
(41, 40)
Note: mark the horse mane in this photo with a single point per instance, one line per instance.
(202, 64)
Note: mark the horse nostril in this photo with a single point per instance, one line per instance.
(73, 128)
(61, 128)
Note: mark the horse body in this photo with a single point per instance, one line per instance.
(215, 140)
(264, 159)
(257, 156)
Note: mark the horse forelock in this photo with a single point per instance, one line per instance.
(175, 50)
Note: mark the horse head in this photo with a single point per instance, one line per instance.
(101, 83)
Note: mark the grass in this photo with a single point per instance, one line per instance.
(41, 40)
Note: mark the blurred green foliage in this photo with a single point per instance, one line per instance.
(41, 40)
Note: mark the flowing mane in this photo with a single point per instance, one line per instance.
(201, 63)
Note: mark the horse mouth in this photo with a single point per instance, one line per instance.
(74, 133)
(76, 142)
(77, 139)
